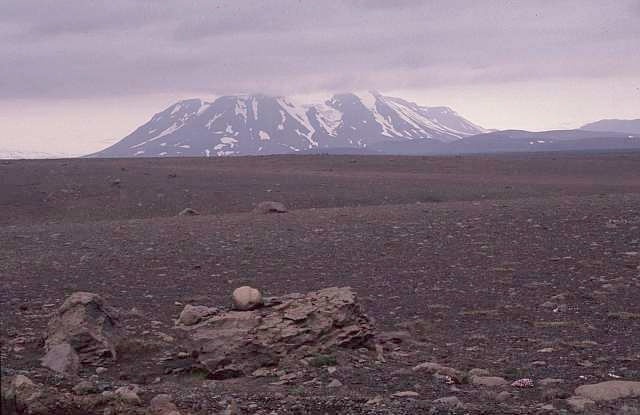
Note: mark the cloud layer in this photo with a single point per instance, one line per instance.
(97, 49)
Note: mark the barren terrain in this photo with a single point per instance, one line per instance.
(527, 266)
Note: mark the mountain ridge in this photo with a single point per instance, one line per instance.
(613, 124)
(262, 124)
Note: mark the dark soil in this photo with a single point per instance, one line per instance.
(463, 251)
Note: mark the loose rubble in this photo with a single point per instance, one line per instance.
(319, 340)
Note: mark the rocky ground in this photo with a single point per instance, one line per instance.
(474, 272)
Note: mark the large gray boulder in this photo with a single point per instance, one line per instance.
(236, 343)
(610, 390)
(84, 326)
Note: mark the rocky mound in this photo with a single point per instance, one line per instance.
(296, 354)
(292, 327)
(82, 331)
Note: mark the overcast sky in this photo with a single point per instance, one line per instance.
(76, 75)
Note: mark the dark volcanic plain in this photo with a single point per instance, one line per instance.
(463, 251)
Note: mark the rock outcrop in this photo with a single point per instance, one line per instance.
(294, 326)
(193, 314)
(83, 330)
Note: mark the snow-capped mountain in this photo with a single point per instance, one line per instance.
(259, 124)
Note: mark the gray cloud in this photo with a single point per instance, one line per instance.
(81, 48)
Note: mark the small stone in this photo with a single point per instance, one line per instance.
(232, 409)
(288, 376)
(562, 308)
(21, 381)
(270, 207)
(162, 405)
(523, 383)
(550, 381)
(128, 394)
(579, 403)
(108, 395)
(262, 372)
(406, 394)
(335, 383)
(188, 212)
(246, 298)
(437, 368)
(479, 372)
(374, 401)
(559, 297)
(165, 337)
(160, 400)
(503, 396)
(84, 388)
(553, 394)
(380, 353)
(100, 370)
(449, 402)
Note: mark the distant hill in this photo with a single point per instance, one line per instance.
(516, 141)
(623, 126)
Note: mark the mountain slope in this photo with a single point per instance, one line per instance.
(517, 141)
(260, 124)
(623, 126)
